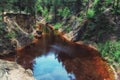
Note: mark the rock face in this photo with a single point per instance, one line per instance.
(14, 32)
(13, 71)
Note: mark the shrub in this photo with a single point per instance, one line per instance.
(64, 12)
(0, 18)
(57, 25)
(45, 12)
(111, 50)
(90, 13)
(68, 29)
(31, 36)
(10, 35)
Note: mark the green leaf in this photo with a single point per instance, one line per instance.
(57, 25)
(90, 13)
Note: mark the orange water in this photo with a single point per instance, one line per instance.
(81, 60)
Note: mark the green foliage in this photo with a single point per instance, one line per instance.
(68, 29)
(64, 12)
(97, 28)
(82, 16)
(0, 18)
(90, 13)
(80, 19)
(57, 25)
(91, 26)
(41, 9)
(111, 50)
(108, 1)
(0, 40)
(3, 31)
(2, 28)
(45, 13)
(31, 36)
(116, 11)
(10, 35)
(95, 2)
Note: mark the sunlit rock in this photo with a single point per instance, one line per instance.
(13, 71)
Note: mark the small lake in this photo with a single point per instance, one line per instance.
(62, 61)
(47, 67)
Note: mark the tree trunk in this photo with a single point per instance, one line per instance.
(20, 6)
(78, 5)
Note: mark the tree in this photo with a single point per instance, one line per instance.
(78, 5)
(2, 7)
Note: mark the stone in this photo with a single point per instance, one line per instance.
(12, 71)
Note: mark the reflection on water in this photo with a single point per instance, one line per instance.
(81, 60)
(49, 68)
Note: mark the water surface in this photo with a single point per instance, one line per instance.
(47, 67)
(66, 57)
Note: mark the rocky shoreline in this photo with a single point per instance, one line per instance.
(12, 71)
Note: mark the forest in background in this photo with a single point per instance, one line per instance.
(92, 21)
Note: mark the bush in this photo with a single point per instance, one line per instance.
(57, 25)
(10, 35)
(2, 28)
(31, 36)
(64, 12)
(90, 13)
(45, 12)
(111, 50)
(0, 18)
(68, 29)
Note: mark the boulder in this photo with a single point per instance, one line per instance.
(13, 71)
